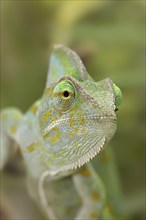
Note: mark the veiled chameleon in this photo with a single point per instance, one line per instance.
(60, 134)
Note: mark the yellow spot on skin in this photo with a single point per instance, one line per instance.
(57, 136)
(54, 120)
(73, 110)
(76, 129)
(82, 121)
(79, 114)
(31, 147)
(94, 215)
(46, 115)
(13, 129)
(47, 136)
(54, 139)
(85, 172)
(95, 196)
(34, 109)
(70, 133)
(71, 121)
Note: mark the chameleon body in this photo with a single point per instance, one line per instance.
(60, 134)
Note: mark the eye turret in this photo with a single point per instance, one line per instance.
(64, 95)
(118, 96)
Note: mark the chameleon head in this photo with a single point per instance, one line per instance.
(77, 118)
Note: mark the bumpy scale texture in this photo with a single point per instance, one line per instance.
(60, 134)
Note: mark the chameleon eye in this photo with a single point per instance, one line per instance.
(64, 95)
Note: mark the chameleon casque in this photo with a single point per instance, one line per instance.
(60, 134)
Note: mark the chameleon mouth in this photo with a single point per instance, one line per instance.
(95, 145)
(90, 117)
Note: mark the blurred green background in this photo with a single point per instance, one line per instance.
(110, 38)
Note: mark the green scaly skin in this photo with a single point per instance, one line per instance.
(60, 134)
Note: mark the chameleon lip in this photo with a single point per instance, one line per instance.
(93, 117)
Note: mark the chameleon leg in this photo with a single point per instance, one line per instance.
(9, 119)
(92, 192)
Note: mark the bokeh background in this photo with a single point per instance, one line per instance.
(110, 38)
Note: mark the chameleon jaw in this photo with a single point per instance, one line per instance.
(81, 161)
(90, 154)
